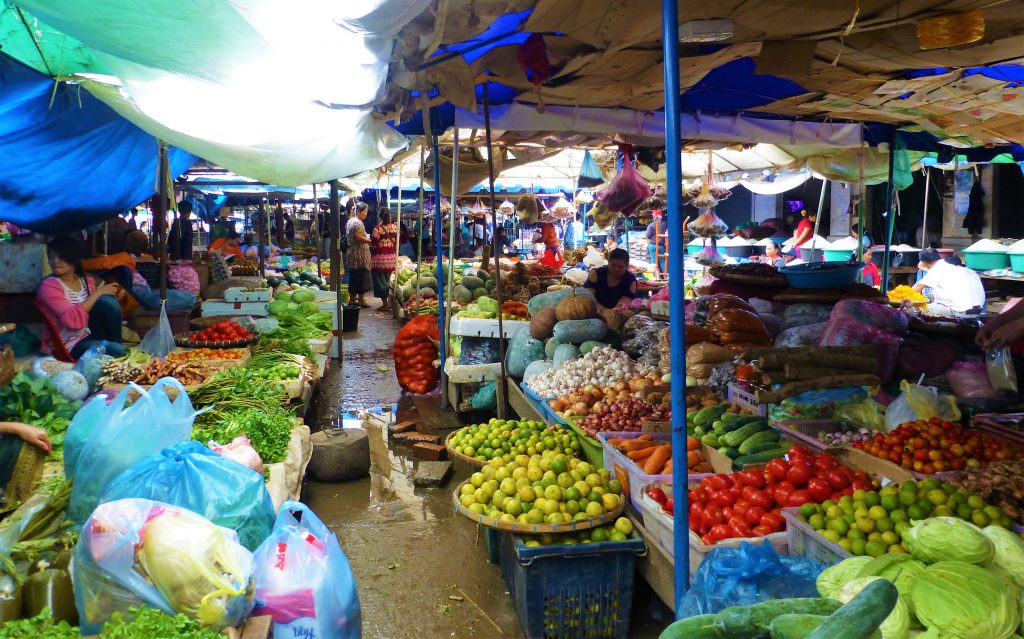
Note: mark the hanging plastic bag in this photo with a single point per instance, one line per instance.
(135, 552)
(603, 216)
(627, 190)
(304, 581)
(920, 402)
(190, 475)
(866, 414)
(109, 438)
(746, 575)
(1000, 370)
(159, 341)
(90, 365)
(528, 209)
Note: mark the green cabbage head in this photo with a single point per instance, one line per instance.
(948, 538)
(962, 600)
(1009, 552)
(895, 625)
(899, 568)
(835, 577)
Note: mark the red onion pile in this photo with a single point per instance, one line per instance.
(623, 415)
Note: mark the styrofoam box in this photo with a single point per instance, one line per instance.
(239, 294)
(470, 373)
(221, 307)
(480, 327)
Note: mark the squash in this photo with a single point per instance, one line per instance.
(544, 300)
(523, 350)
(579, 331)
(536, 368)
(550, 346)
(613, 318)
(543, 324)
(564, 353)
(472, 282)
(590, 345)
(462, 294)
(576, 307)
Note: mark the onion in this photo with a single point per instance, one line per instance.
(580, 408)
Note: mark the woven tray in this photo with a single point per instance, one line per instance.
(183, 339)
(466, 459)
(534, 529)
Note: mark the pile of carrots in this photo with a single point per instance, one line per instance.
(655, 457)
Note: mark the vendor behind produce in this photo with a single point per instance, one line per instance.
(772, 255)
(613, 284)
(869, 274)
(955, 289)
(804, 231)
(229, 245)
(83, 314)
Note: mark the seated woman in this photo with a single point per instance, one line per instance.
(612, 284)
(772, 255)
(229, 245)
(85, 314)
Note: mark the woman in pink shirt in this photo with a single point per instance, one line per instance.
(84, 314)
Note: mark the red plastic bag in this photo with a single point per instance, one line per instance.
(414, 354)
(627, 190)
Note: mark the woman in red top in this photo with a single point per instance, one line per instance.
(804, 231)
(552, 251)
(382, 255)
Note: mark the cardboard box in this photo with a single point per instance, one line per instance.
(719, 462)
(656, 427)
(880, 469)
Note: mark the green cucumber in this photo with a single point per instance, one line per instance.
(743, 421)
(708, 415)
(744, 622)
(759, 437)
(729, 451)
(734, 438)
(699, 627)
(711, 440)
(698, 432)
(762, 457)
(760, 448)
(799, 626)
(862, 615)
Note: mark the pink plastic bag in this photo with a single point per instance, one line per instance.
(871, 313)
(627, 190)
(240, 450)
(969, 380)
(848, 332)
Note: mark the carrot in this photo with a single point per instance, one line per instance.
(638, 455)
(702, 467)
(692, 443)
(657, 460)
(618, 441)
(632, 444)
(645, 438)
(667, 470)
(693, 458)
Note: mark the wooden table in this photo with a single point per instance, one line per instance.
(520, 404)
(1002, 286)
(902, 275)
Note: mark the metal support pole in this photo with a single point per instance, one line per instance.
(861, 205)
(454, 193)
(502, 395)
(263, 223)
(160, 220)
(677, 302)
(318, 234)
(890, 219)
(927, 192)
(439, 244)
(336, 262)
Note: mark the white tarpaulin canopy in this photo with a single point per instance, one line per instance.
(278, 91)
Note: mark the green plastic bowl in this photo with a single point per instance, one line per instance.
(838, 255)
(1016, 262)
(987, 260)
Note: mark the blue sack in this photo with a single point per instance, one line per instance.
(304, 581)
(746, 575)
(106, 439)
(192, 476)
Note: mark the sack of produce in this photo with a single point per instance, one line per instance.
(969, 380)
(136, 552)
(736, 320)
(932, 357)
(106, 439)
(707, 353)
(718, 303)
(804, 335)
(627, 190)
(695, 335)
(920, 402)
(303, 579)
(772, 323)
(871, 313)
(232, 495)
(848, 332)
(803, 314)
(414, 353)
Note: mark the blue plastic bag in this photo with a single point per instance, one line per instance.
(746, 575)
(136, 552)
(106, 439)
(192, 476)
(303, 579)
(90, 365)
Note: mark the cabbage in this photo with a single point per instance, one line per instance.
(962, 600)
(488, 305)
(278, 307)
(899, 568)
(307, 308)
(303, 295)
(71, 385)
(1009, 552)
(283, 296)
(895, 625)
(948, 538)
(835, 577)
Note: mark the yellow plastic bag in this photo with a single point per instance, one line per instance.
(920, 402)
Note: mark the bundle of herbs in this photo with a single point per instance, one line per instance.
(35, 401)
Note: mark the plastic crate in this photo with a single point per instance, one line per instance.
(661, 527)
(804, 541)
(806, 431)
(822, 274)
(239, 294)
(480, 327)
(993, 425)
(540, 403)
(492, 543)
(592, 449)
(631, 476)
(745, 399)
(577, 591)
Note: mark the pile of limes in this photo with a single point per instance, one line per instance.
(548, 488)
(506, 439)
(873, 522)
(620, 531)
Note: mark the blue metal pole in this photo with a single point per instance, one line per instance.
(438, 225)
(890, 219)
(677, 303)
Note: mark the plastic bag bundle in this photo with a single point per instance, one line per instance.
(747, 575)
(159, 341)
(969, 380)
(304, 581)
(90, 365)
(1000, 370)
(804, 335)
(819, 404)
(189, 475)
(866, 414)
(920, 402)
(241, 451)
(872, 314)
(135, 552)
(803, 314)
(106, 439)
(627, 190)
(707, 224)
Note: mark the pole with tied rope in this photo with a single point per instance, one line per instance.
(502, 395)
(454, 193)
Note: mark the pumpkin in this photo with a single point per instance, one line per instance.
(576, 307)
(543, 324)
(612, 318)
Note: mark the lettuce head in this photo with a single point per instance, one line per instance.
(1009, 552)
(962, 600)
(835, 577)
(899, 568)
(948, 538)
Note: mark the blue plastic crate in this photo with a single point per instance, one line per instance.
(571, 592)
(540, 403)
(822, 274)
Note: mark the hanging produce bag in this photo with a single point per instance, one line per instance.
(105, 439)
(192, 476)
(136, 552)
(304, 581)
(627, 190)
(920, 402)
(414, 353)
(159, 341)
(590, 175)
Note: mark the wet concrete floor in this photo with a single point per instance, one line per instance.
(421, 568)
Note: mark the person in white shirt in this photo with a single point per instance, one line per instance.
(955, 289)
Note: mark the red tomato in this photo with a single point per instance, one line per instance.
(799, 451)
(717, 482)
(710, 518)
(824, 463)
(861, 475)
(798, 498)
(742, 530)
(657, 495)
(752, 478)
(799, 474)
(781, 495)
(837, 479)
(723, 498)
(774, 521)
(861, 485)
(762, 530)
(741, 507)
(747, 491)
(761, 499)
(777, 469)
(696, 510)
(722, 531)
(727, 513)
(698, 494)
(818, 489)
(669, 506)
(707, 540)
(755, 515)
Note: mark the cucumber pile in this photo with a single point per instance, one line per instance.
(746, 439)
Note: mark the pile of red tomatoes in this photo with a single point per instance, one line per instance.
(936, 446)
(221, 332)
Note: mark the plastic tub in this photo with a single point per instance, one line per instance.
(806, 431)
(350, 318)
(804, 541)
(838, 255)
(822, 275)
(583, 590)
(541, 404)
(1016, 262)
(736, 251)
(811, 254)
(987, 260)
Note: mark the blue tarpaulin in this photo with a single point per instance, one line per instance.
(70, 161)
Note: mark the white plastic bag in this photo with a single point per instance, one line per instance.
(920, 402)
(593, 258)
(159, 341)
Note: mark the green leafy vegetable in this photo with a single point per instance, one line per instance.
(149, 623)
(835, 577)
(269, 432)
(895, 625)
(1009, 549)
(36, 401)
(38, 627)
(939, 538)
(957, 599)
